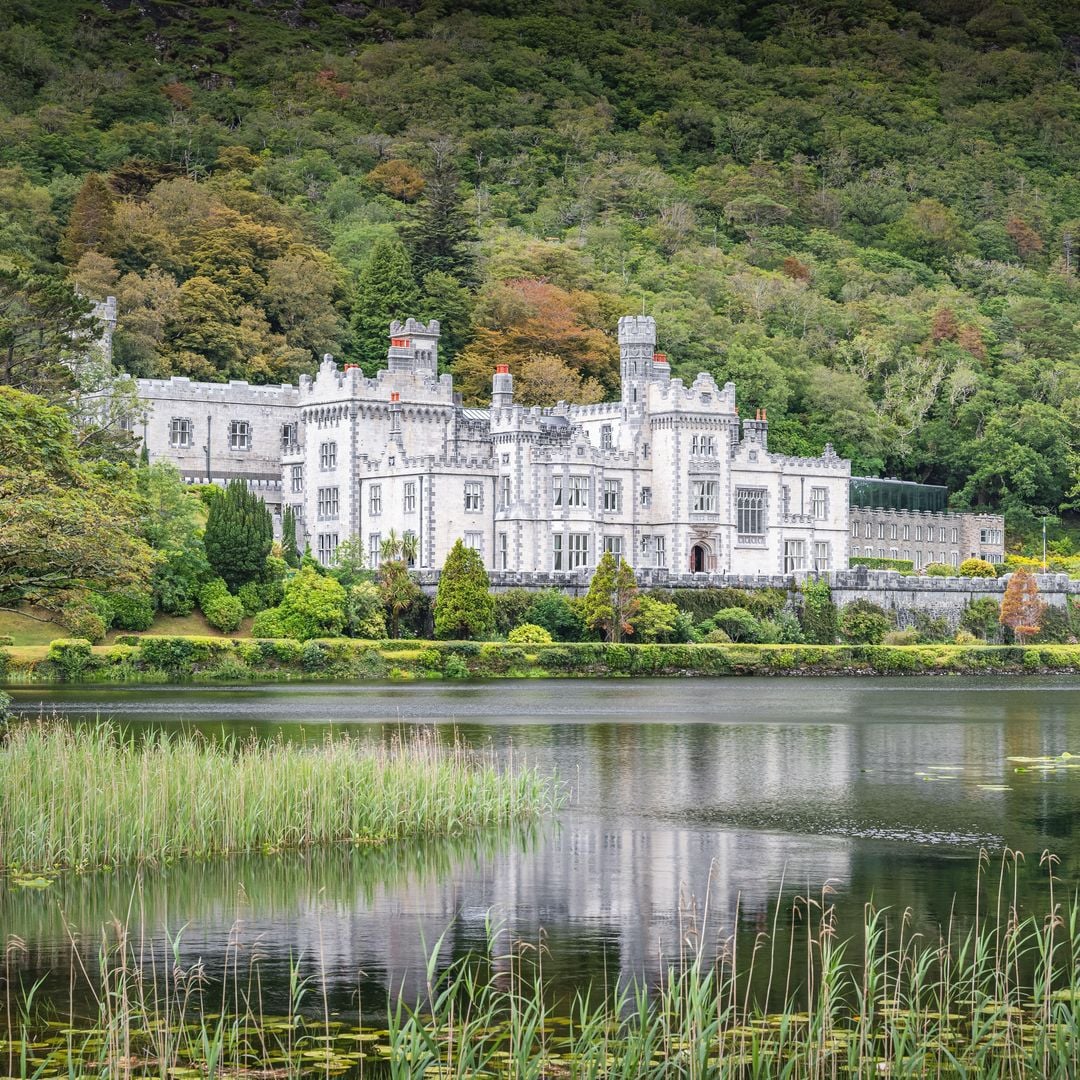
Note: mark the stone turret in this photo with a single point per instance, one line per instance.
(414, 346)
(637, 347)
(502, 387)
(756, 431)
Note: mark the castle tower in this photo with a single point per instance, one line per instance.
(637, 344)
(414, 346)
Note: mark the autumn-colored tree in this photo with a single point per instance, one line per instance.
(945, 326)
(398, 179)
(1026, 240)
(91, 223)
(1021, 608)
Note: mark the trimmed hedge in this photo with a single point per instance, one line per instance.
(212, 659)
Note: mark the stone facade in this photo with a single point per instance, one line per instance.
(668, 476)
(926, 537)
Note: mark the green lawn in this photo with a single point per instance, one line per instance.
(25, 629)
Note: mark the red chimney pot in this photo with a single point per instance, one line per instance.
(399, 342)
(351, 367)
(394, 397)
(659, 357)
(502, 369)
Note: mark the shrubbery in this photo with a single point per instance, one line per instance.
(976, 568)
(939, 569)
(864, 623)
(737, 623)
(223, 611)
(529, 634)
(131, 610)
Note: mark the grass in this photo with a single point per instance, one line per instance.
(35, 627)
(25, 630)
(87, 796)
(999, 999)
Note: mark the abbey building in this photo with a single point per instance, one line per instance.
(669, 476)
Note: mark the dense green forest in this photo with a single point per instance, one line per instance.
(865, 213)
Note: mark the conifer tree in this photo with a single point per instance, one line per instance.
(612, 599)
(239, 535)
(1021, 608)
(289, 549)
(91, 223)
(464, 607)
(385, 290)
(442, 235)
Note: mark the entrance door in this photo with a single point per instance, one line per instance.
(697, 559)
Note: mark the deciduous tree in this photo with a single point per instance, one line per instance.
(1021, 608)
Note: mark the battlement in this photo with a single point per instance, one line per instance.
(236, 391)
(637, 330)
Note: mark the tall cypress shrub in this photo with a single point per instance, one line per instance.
(239, 535)
(464, 606)
(289, 549)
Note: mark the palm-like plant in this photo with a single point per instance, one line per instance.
(399, 591)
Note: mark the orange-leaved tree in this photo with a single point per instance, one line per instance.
(1021, 608)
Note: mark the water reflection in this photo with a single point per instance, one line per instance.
(747, 792)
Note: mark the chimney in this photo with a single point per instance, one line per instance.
(757, 430)
(502, 387)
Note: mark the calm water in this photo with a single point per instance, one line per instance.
(742, 792)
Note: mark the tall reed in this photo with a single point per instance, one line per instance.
(88, 796)
(1000, 999)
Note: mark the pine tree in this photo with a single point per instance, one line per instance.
(1021, 608)
(464, 606)
(442, 236)
(239, 535)
(91, 223)
(385, 290)
(289, 548)
(612, 599)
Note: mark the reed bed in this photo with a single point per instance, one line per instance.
(1000, 999)
(80, 797)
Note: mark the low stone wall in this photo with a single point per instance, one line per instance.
(938, 597)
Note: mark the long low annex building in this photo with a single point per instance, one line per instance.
(668, 476)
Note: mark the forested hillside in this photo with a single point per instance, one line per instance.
(867, 214)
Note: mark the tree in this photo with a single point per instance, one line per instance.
(63, 528)
(399, 591)
(442, 236)
(612, 600)
(313, 606)
(365, 611)
(447, 300)
(398, 179)
(289, 548)
(1021, 608)
(464, 607)
(654, 620)
(385, 290)
(817, 612)
(91, 223)
(44, 324)
(239, 535)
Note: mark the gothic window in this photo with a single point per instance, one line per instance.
(612, 495)
(881, 530)
(613, 545)
(328, 503)
(893, 531)
(409, 500)
(794, 555)
(605, 437)
(180, 432)
(918, 533)
(579, 551)
(855, 529)
(750, 511)
(296, 477)
(474, 496)
(821, 555)
(955, 535)
(578, 495)
(328, 455)
(941, 534)
(239, 435)
(375, 499)
(326, 548)
(705, 495)
(868, 530)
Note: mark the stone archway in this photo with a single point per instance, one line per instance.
(699, 558)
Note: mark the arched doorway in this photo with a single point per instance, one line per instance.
(697, 559)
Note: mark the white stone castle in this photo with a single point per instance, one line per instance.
(668, 476)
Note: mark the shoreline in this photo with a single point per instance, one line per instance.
(218, 661)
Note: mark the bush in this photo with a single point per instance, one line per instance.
(510, 608)
(81, 622)
(251, 596)
(965, 637)
(864, 623)
(905, 566)
(782, 630)
(980, 618)
(977, 568)
(313, 606)
(178, 579)
(223, 611)
(6, 639)
(931, 627)
(267, 624)
(938, 569)
(901, 637)
(552, 610)
(455, 668)
(364, 610)
(655, 620)
(818, 612)
(70, 656)
(738, 624)
(131, 610)
(717, 637)
(529, 634)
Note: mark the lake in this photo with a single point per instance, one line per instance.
(697, 809)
